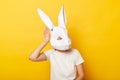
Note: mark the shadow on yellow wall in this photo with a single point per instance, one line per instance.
(93, 26)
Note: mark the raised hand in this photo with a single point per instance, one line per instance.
(46, 35)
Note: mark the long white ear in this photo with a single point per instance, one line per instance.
(62, 18)
(45, 19)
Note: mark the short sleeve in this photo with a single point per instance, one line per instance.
(78, 57)
(48, 53)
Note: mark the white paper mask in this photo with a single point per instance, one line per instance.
(59, 35)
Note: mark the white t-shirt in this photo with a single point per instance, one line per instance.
(63, 64)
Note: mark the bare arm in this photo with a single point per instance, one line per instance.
(80, 72)
(37, 55)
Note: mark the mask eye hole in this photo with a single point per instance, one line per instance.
(59, 38)
(51, 29)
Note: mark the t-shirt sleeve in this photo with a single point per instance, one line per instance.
(78, 58)
(48, 53)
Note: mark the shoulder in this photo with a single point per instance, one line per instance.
(77, 56)
(75, 50)
(48, 51)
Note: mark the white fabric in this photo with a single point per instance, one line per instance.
(63, 63)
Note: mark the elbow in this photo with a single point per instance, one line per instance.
(32, 58)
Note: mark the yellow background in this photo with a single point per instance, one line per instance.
(94, 27)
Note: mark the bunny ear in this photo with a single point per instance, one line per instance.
(62, 18)
(45, 19)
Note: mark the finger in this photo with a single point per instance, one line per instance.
(46, 31)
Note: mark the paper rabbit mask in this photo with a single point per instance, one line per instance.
(59, 36)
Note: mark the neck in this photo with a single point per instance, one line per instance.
(62, 50)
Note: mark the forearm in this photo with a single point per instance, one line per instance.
(37, 51)
(79, 78)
